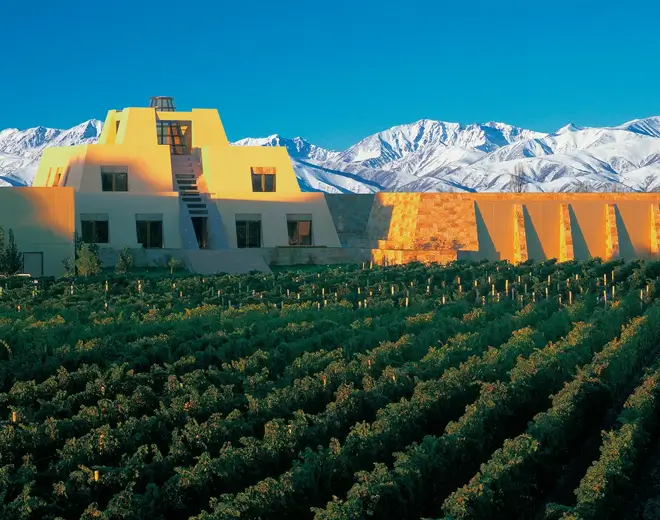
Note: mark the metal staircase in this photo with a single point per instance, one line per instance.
(187, 177)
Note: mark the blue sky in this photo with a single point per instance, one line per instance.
(332, 71)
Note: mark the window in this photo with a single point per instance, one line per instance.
(58, 177)
(114, 178)
(300, 230)
(94, 228)
(171, 133)
(248, 231)
(263, 179)
(149, 230)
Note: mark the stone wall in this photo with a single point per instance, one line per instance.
(429, 227)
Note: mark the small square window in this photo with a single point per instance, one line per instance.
(94, 228)
(149, 231)
(248, 232)
(263, 179)
(114, 180)
(299, 228)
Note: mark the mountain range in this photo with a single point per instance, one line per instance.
(426, 156)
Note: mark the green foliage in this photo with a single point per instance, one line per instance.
(11, 260)
(174, 264)
(85, 261)
(124, 261)
(352, 392)
(88, 263)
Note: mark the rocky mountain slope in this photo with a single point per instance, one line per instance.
(428, 155)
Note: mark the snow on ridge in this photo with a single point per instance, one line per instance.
(426, 155)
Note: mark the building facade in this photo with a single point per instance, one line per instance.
(163, 181)
(166, 184)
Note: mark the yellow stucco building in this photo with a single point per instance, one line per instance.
(168, 184)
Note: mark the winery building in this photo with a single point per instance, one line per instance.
(167, 183)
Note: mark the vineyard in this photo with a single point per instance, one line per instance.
(474, 390)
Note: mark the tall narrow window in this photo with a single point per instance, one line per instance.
(263, 179)
(248, 231)
(299, 228)
(94, 228)
(114, 178)
(149, 229)
(58, 177)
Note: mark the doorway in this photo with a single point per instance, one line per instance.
(200, 224)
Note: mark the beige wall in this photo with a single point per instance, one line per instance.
(227, 171)
(149, 168)
(407, 226)
(274, 217)
(42, 221)
(122, 208)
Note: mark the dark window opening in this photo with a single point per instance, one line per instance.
(200, 224)
(300, 232)
(114, 181)
(263, 179)
(150, 233)
(170, 133)
(248, 233)
(95, 231)
(117, 127)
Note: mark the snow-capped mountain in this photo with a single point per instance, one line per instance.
(427, 156)
(20, 150)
